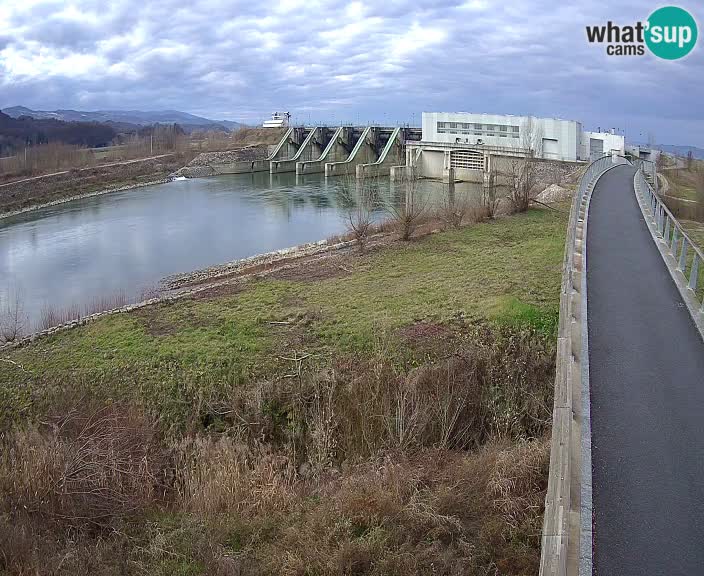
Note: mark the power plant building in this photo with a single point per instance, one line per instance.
(548, 138)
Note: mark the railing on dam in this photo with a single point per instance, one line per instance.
(681, 253)
(649, 169)
(567, 538)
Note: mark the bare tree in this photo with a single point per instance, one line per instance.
(407, 210)
(690, 159)
(360, 197)
(490, 202)
(520, 179)
(454, 206)
(521, 171)
(12, 319)
(532, 138)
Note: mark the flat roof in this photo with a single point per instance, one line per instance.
(508, 115)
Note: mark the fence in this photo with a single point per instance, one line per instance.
(649, 169)
(687, 256)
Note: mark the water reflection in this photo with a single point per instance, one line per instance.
(123, 243)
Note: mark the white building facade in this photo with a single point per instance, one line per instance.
(548, 138)
(598, 143)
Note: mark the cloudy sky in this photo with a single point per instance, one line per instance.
(360, 61)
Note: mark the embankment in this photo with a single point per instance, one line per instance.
(398, 399)
(212, 163)
(40, 191)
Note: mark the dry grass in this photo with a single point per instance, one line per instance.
(249, 136)
(85, 467)
(432, 511)
(361, 198)
(408, 210)
(54, 316)
(352, 465)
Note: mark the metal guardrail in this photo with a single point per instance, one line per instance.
(566, 539)
(676, 239)
(649, 168)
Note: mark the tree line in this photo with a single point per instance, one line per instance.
(17, 134)
(24, 132)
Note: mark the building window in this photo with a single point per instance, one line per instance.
(470, 159)
(503, 129)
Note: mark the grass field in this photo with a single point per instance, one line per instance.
(683, 181)
(506, 272)
(377, 413)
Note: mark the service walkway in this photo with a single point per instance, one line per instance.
(646, 363)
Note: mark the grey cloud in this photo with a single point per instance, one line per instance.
(376, 61)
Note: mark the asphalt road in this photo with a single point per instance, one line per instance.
(646, 363)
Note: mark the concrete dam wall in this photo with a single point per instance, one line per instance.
(335, 151)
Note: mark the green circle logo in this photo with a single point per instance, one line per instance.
(670, 32)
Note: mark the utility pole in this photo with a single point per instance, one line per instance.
(151, 143)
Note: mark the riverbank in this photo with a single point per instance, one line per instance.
(42, 191)
(189, 284)
(80, 196)
(378, 412)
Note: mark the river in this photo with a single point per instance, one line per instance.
(92, 253)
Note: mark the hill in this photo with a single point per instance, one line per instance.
(16, 133)
(136, 117)
(679, 150)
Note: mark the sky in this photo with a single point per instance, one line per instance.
(362, 61)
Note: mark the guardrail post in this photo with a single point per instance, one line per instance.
(661, 218)
(683, 256)
(673, 244)
(694, 273)
(666, 235)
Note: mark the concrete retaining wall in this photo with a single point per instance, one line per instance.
(567, 524)
(562, 501)
(398, 173)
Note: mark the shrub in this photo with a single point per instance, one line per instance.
(87, 467)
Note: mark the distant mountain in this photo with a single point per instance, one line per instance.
(678, 150)
(16, 133)
(137, 117)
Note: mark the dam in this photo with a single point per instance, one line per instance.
(396, 152)
(357, 151)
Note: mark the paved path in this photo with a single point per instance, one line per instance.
(646, 362)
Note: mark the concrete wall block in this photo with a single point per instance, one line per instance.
(576, 280)
(577, 261)
(576, 305)
(576, 340)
